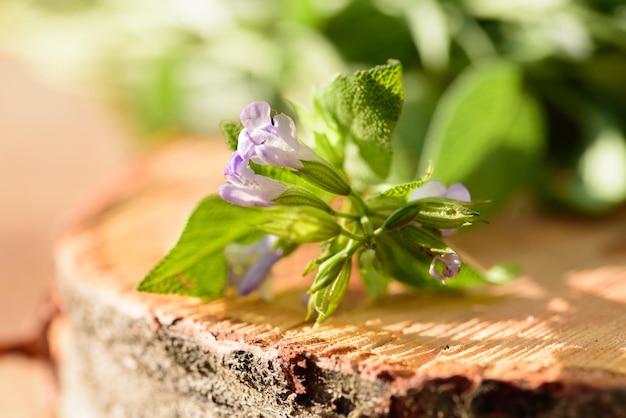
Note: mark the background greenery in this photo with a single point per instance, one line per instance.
(503, 96)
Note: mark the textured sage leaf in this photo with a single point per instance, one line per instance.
(404, 190)
(231, 132)
(380, 203)
(378, 99)
(364, 109)
(485, 133)
(196, 265)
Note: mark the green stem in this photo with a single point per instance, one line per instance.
(352, 235)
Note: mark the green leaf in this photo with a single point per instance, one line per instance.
(404, 264)
(328, 141)
(196, 265)
(382, 203)
(362, 111)
(231, 132)
(378, 99)
(410, 266)
(486, 132)
(375, 283)
(334, 103)
(404, 190)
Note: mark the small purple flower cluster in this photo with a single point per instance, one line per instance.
(266, 141)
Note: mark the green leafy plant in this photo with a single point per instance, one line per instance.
(280, 193)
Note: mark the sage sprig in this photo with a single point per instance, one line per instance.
(280, 192)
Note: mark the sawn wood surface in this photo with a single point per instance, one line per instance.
(559, 329)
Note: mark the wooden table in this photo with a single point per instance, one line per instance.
(553, 343)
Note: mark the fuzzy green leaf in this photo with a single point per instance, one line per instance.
(404, 190)
(196, 265)
(364, 109)
(378, 99)
(231, 132)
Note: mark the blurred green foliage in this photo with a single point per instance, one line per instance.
(501, 95)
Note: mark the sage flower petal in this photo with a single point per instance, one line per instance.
(250, 265)
(450, 266)
(270, 141)
(244, 187)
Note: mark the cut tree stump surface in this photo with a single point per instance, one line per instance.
(552, 343)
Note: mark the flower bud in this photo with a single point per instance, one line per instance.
(300, 224)
(401, 217)
(324, 176)
(443, 213)
(298, 196)
(326, 300)
(328, 271)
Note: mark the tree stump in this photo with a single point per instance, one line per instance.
(551, 344)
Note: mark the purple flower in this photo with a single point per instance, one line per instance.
(244, 187)
(270, 141)
(250, 265)
(450, 266)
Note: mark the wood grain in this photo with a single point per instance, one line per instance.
(553, 343)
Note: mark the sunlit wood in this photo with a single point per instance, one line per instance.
(552, 341)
